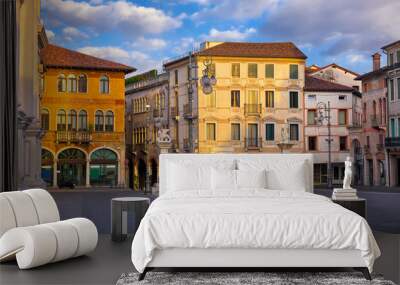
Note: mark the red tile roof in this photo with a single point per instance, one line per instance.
(320, 85)
(55, 56)
(243, 49)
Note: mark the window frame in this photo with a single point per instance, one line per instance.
(85, 90)
(61, 120)
(341, 144)
(233, 73)
(232, 133)
(267, 99)
(235, 98)
(104, 78)
(82, 117)
(267, 138)
(215, 131)
(249, 73)
(72, 84)
(315, 148)
(290, 132)
(292, 72)
(345, 117)
(72, 124)
(297, 100)
(266, 70)
(109, 115)
(310, 111)
(99, 114)
(63, 80)
(45, 119)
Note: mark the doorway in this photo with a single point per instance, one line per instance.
(252, 135)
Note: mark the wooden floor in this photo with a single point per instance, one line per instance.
(103, 266)
(110, 259)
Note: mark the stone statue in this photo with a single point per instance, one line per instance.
(347, 174)
(284, 135)
(163, 136)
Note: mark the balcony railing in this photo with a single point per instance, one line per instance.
(252, 109)
(392, 142)
(367, 149)
(375, 121)
(73, 137)
(253, 143)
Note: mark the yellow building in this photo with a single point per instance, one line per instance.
(82, 115)
(256, 104)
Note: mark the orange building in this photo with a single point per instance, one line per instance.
(82, 116)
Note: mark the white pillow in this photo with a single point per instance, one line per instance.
(223, 179)
(291, 178)
(281, 174)
(188, 177)
(251, 178)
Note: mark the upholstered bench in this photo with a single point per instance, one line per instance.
(31, 230)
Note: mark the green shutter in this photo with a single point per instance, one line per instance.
(294, 71)
(269, 71)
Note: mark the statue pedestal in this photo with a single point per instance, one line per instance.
(164, 147)
(344, 194)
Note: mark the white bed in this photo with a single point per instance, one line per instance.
(220, 225)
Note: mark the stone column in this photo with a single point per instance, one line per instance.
(87, 173)
(55, 173)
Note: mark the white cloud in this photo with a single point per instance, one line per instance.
(185, 45)
(235, 9)
(229, 35)
(141, 61)
(150, 43)
(337, 27)
(70, 33)
(50, 35)
(122, 16)
(354, 58)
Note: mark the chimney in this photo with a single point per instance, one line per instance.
(376, 61)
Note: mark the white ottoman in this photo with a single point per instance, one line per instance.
(23, 235)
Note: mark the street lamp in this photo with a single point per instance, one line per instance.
(148, 140)
(324, 114)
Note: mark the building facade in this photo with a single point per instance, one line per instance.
(337, 74)
(345, 113)
(374, 122)
(31, 37)
(82, 116)
(392, 142)
(147, 112)
(256, 102)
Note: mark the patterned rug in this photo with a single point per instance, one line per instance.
(243, 278)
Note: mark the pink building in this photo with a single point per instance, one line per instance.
(368, 145)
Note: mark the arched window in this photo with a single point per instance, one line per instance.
(99, 121)
(109, 121)
(45, 118)
(72, 120)
(104, 84)
(61, 83)
(71, 84)
(82, 83)
(82, 120)
(103, 168)
(61, 121)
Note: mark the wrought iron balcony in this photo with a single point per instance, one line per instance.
(392, 142)
(253, 143)
(83, 137)
(375, 121)
(252, 109)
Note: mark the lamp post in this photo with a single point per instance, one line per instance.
(148, 140)
(324, 114)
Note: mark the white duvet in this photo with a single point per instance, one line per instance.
(250, 219)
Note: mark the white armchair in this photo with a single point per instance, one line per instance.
(31, 230)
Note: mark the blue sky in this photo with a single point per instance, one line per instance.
(144, 33)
